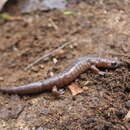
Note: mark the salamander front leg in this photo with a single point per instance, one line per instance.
(96, 70)
(55, 92)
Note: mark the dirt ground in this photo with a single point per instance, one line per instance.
(94, 29)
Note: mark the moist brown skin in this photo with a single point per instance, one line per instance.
(81, 65)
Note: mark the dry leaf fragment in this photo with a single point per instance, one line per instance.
(88, 83)
(1, 79)
(127, 117)
(8, 17)
(2, 3)
(129, 96)
(75, 89)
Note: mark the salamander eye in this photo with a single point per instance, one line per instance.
(114, 64)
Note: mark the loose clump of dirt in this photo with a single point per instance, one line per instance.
(93, 29)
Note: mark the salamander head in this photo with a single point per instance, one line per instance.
(108, 63)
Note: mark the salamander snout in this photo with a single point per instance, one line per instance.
(108, 63)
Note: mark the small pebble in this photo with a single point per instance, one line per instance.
(128, 104)
(129, 95)
(55, 60)
(39, 128)
(1, 78)
(42, 66)
(71, 46)
(85, 88)
(35, 69)
(51, 74)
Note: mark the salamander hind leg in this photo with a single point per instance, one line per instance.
(96, 70)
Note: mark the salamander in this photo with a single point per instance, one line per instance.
(79, 66)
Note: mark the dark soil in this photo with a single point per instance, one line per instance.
(95, 29)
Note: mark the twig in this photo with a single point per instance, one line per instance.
(124, 48)
(118, 54)
(53, 24)
(47, 55)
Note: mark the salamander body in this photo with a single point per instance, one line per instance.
(62, 79)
